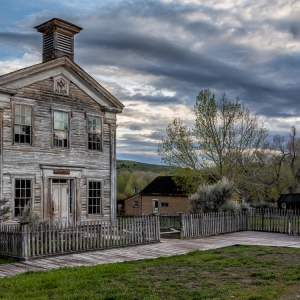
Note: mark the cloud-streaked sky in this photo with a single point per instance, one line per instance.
(155, 56)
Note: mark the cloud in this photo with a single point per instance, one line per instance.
(155, 56)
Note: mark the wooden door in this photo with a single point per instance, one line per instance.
(155, 206)
(60, 202)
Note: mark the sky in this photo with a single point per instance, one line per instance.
(155, 56)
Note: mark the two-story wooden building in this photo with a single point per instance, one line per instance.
(58, 135)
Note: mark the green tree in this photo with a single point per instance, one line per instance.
(290, 154)
(224, 142)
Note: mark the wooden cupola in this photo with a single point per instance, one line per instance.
(58, 38)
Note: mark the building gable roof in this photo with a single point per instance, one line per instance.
(62, 66)
(289, 198)
(162, 185)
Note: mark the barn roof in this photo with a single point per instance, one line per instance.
(289, 198)
(162, 185)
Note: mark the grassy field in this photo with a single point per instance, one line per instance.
(238, 272)
(4, 260)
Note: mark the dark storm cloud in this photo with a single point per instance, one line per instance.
(20, 39)
(246, 50)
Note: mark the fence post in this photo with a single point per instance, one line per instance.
(157, 226)
(25, 241)
(181, 226)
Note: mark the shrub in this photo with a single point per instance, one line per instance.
(4, 210)
(209, 198)
(229, 206)
(244, 206)
(28, 216)
(264, 204)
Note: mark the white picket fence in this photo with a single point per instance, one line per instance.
(45, 239)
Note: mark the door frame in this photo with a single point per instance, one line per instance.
(71, 196)
(73, 174)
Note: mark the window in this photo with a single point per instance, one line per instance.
(95, 197)
(23, 195)
(94, 133)
(22, 124)
(60, 129)
(164, 204)
(135, 204)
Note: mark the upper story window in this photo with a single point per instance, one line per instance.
(94, 133)
(22, 124)
(61, 129)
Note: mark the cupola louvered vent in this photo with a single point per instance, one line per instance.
(58, 38)
(48, 42)
(64, 42)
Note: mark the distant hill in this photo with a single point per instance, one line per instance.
(133, 166)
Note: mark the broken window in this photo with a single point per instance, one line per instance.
(61, 129)
(22, 124)
(94, 133)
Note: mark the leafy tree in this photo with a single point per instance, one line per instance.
(290, 157)
(224, 142)
(4, 210)
(210, 198)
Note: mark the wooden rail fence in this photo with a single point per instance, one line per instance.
(193, 225)
(269, 220)
(44, 239)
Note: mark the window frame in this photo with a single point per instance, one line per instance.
(164, 204)
(69, 129)
(101, 181)
(13, 124)
(135, 203)
(87, 133)
(20, 177)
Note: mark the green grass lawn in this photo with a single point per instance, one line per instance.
(237, 272)
(4, 260)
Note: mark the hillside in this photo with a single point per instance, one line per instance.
(135, 176)
(133, 166)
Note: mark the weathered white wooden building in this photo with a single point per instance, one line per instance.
(58, 135)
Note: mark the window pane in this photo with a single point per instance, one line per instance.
(17, 109)
(17, 212)
(28, 111)
(17, 119)
(22, 110)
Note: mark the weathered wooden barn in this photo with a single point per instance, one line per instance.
(161, 196)
(58, 135)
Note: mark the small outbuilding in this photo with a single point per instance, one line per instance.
(161, 196)
(289, 201)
